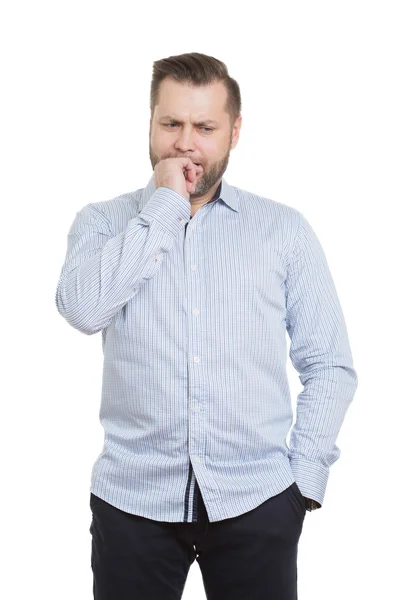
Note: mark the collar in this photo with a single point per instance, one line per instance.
(227, 194)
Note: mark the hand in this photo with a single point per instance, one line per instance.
(178, 174)
(311, 503)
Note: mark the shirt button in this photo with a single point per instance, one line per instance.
(193, 267)
(196, 311)
(197, 458)
(196, 359)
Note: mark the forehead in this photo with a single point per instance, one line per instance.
(181, 100)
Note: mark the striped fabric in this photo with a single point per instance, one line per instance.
(194, 315)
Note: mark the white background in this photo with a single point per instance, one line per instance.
(319, 84)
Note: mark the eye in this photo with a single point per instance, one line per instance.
(173, 124)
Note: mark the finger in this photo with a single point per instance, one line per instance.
(190, 185)
(191, 167)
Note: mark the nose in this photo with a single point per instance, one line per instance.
(185, 140)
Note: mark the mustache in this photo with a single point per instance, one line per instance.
(194, 161)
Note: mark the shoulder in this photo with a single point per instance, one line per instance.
(253, 201)
(117, 210)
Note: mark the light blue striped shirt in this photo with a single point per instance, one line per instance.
(194, 315)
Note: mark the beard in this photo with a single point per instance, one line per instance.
(206, 180)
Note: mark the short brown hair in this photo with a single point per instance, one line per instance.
(196, 69)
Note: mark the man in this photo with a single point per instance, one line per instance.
(194, 284)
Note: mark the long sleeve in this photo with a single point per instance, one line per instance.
(320, 352)
(102, 271)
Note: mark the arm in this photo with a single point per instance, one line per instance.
(102, 271)
(320, 352)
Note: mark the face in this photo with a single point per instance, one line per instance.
(191, 122)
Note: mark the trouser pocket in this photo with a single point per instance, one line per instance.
(301, 501)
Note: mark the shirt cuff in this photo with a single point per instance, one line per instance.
(311, 478)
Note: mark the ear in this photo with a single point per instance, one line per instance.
(236, 131)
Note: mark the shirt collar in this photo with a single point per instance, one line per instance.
(227, 194)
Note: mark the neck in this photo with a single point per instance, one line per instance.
(198, 201)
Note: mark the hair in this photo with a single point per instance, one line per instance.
(196, 69)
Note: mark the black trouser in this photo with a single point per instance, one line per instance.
(249, 557)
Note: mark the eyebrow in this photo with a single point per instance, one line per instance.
(204, 122)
